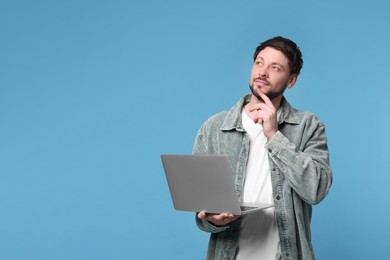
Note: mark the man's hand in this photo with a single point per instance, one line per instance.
(266, 115)
(217, 219)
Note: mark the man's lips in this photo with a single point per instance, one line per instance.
(261, 81)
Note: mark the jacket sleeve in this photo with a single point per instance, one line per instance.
(306, 168)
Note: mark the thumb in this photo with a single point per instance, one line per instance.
(202, 215)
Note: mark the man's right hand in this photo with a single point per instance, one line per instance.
(217, 219)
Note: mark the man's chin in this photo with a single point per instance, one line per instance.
(255, 94)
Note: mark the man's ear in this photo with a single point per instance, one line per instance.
(292, 80)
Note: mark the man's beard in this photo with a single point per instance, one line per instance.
(270, 94)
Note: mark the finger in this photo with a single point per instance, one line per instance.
(208, 216)
(202, 215)
(214, 217)
(254, 108)
(258, 121)
(261, 106)
(265, 98)
(262, 114)
(227, 218)
(219, 218)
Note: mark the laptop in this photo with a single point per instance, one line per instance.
(204, 183)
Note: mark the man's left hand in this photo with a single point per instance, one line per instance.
(266, 115)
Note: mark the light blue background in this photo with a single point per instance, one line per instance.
(92, 92)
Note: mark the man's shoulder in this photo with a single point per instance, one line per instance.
(229, 116)
(307, 116)
(216, 119)
(227, 120)
(303, 113)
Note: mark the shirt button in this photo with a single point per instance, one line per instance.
(278, 197)
(270, 150)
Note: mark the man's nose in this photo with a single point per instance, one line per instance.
(263, 72)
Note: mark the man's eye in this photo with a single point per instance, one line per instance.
(276, 68)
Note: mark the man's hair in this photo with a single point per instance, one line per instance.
(288, 48)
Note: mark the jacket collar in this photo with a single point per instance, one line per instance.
(233, 121)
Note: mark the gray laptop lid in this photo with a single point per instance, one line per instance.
(203, 183)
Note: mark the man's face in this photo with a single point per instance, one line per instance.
(271, 74)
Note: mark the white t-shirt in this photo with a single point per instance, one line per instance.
(259, 237)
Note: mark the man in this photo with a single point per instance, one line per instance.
(278, 155)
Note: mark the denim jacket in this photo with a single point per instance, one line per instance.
(300, 175)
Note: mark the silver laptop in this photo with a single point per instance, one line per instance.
(204, 183)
